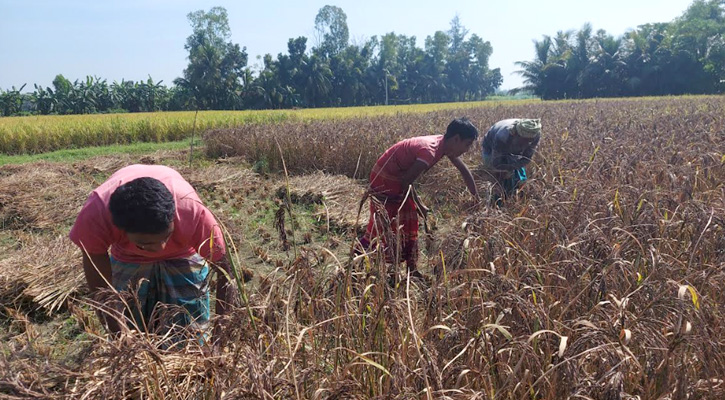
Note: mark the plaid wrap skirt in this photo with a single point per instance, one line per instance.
(400, 223)
(166, 294)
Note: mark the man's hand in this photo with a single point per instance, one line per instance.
(109, 310)
(97, 269)
(466, 175)
(419, 203)
(226, 297)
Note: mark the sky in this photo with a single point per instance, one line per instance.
(135, 39)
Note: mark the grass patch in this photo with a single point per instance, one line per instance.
(37, 134)
(7, 240)
(72, 155)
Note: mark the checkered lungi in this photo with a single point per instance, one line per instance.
(168, 294)
(400, 222)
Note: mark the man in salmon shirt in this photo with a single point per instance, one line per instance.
(162, 243)
(394, 173)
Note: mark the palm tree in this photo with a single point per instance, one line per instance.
(605, 75)
(317, 85)
(534, 72)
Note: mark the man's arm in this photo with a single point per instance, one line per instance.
(97, 269)
(527, 155)
(224, 299)
(409, 177)
(502, 161)
(224, 293)
(466, 175)
(412, 174)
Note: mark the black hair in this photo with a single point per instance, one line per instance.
(462, 127)
(143, 205)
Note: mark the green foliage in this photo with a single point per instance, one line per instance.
(331, 29)
(387, 69)
(213, 76)
(11, 101)
(73, 155)
(261, 166)
(684, 56)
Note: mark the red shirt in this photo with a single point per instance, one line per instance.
(193, 223)
(386, 174)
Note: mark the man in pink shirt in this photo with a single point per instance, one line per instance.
(162, 243)
(393, 206)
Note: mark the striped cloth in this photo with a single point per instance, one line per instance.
(171, 294)
(399, 224)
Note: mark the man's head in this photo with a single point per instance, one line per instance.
(144, 208)
(460, 135)
(528, 128)
(462, 127)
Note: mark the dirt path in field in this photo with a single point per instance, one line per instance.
(39, 203)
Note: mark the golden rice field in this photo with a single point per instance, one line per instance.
(39, 134)
(603, 279)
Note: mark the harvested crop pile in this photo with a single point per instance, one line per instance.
(41, 196)
(339, 194)
(47, 269)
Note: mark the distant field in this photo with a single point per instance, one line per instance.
(39, 134)
(353, 146)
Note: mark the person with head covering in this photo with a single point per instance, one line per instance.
(506, 149)
(146, 231)
(394, 205)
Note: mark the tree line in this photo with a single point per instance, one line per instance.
(389, 69)
(686, 55)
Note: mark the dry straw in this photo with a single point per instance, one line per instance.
(603, 279)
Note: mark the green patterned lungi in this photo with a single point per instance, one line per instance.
(172, 294)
